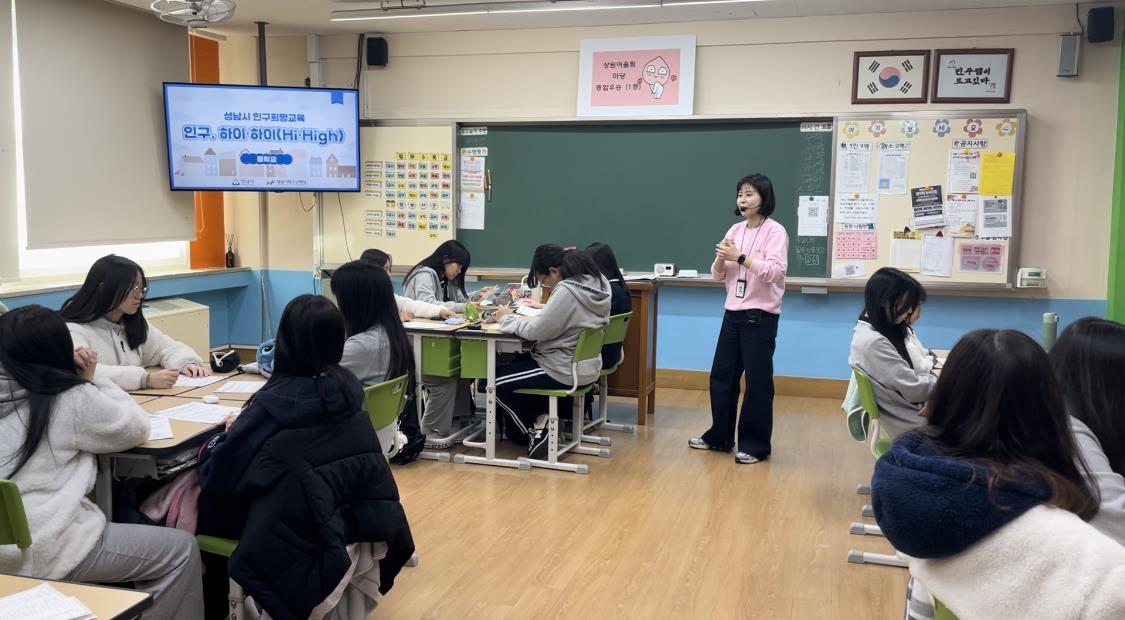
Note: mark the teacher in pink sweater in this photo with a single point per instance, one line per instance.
(751, 260)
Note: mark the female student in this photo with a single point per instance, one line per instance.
(1089, 361)
(105, 315)
(989, 498)
(439, 279)
(619, 302)
(580, 300)
(409, 308)
(751, 260)
(299, 477)
(885, 348)
(56, 416)
(377, 348)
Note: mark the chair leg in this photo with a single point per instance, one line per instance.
(236, 599)
(863, 489)
(552, 461)
(413, 561)
(856, 556)
(863, 529)
(867, 511)
(577, 416)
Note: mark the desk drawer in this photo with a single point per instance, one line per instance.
(441, 356)
(474, 359)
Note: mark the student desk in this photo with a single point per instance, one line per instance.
(105, 602)
(141, 462)
(418, 329)
(233, 397)
(496, 342)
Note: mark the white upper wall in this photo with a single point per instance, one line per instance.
(792, 65)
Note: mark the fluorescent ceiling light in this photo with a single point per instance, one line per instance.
(417, 8)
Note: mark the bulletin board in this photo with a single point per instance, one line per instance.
(407, 204)
(936, 194)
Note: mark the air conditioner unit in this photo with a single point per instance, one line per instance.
(182, 320)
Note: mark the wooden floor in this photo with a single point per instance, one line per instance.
(656, 531)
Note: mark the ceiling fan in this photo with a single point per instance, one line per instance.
(194, 13)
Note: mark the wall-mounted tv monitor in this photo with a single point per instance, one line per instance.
(262, 138)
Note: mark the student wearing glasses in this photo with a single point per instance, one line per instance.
(105, 315)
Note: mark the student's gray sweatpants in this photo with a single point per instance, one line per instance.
(447, 396)
(161, 561)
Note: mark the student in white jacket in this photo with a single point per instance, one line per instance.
(990, 499)
(407, 307)
(377, 348)
(55, 417)
(1089, 360)
(105, 315)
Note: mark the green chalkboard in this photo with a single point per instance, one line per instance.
(656, 192)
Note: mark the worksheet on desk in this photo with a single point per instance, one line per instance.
(43, 603)
(195, 382)
(240, 387)
(159, 428)
(198, 412)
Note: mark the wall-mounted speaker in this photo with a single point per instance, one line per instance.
(1069, 46)
(1099, 24)
(377, 52)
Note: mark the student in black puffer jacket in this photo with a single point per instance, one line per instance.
(300, 475)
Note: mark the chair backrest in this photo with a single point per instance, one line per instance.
(879, 443)
(13, 521)
(384, 401)
(589, 346)
(617, 328)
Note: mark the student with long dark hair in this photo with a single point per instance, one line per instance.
(56, 416)
(377, 348)
(407, 307)
(439, 279)
(580, 300)
(990, 499)
(106, 316)
(885, 347)
(1089, 361)
(299, 477)
(619, 302)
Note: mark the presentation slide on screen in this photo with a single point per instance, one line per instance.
(258, 138)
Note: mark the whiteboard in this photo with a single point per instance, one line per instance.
(406, 207)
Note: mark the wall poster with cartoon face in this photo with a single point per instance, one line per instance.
(643, 76)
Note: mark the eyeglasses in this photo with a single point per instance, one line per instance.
(139, 291)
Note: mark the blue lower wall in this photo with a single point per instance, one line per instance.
(813, 338)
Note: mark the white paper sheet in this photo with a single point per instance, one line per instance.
(43, 603)
(472, 173)
(937, 256)
(198, 412)
(850, 269)
(470, 211)
(195, 382)
(906, 254)
(528, 311)
(893, 168)
(964, 172)
(853, 168)
(812, 216)
(432, 325)
(240, 387)
(927, 208)
(160, 428)
(961, 214)
(853, 210)
(995, 217)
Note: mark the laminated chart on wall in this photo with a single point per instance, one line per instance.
(406, 207)
(928, 193)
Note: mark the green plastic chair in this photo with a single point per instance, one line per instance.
(941, 612)
(879, 445)
(13, 520)
(614, 334)
(236, 597)
(384, 401)
(589, 346)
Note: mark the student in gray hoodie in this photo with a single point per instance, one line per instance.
(580, 300)
(439, 279)
(885, 348)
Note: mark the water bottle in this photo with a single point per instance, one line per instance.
(1050, 329)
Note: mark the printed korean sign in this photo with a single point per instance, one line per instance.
(645, 76)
